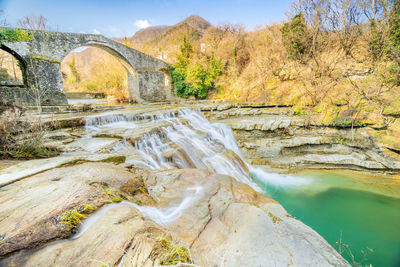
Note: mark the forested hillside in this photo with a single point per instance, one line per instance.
(339, 59)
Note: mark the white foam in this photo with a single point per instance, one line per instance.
(162, 216)
(279, 179)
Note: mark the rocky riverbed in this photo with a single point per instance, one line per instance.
(277, 139)
(147, 181)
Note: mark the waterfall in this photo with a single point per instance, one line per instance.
(190, 141)
(193, 142)
(162, 216)
(95, 122)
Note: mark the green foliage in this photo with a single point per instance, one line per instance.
(190, 78)
(75, 77)
(29, 151)
(87, 208)
(198, 78)
(73, 217)
(299, 111)
(178, 79)
(215, 67)
(174, 254)
(393, 74)
(39, 57)
(376, 42)
(394, 32)
(15, 35)
(115, 159)
(117, 199)
(186, 49)
(294, 35)
(4, 76)
(116, 81)
(90, 87)
(113, 194)
(393, 44)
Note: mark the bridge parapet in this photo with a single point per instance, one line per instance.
(41, 52)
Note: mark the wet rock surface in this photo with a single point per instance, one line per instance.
(32, 208)
(275, 138)
(128, 206)
(227, 222)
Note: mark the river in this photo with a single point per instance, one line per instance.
(360, 211)
(357, 214)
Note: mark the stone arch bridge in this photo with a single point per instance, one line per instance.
(40, 53)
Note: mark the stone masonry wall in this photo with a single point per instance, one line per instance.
(151, 85)
(41, 57)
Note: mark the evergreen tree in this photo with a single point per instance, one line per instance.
(394, 32)
(393, 47)
(294, 35)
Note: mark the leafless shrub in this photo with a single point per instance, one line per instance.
(21, 135)
(33, 22)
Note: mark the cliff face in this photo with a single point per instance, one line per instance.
(277, 139)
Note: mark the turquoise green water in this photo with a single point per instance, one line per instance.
(361, 211)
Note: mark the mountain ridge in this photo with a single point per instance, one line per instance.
(151, 33)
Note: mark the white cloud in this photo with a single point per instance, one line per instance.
(96, 31)
(142, 23)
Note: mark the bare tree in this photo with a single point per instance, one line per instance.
(33, 22)
(316, 14)
(39, 92)
(344, 18)
(377, 13)
(376, 9)
(3, 20)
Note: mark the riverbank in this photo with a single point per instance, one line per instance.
(277, 139)
(177, 177)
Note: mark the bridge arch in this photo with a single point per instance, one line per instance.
(128, 90)
(103, 46)
(21, 61)
(45, 50)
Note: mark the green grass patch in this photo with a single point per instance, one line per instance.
(174, 254)
(116, 159)
(73, 217)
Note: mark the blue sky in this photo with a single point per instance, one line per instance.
(120, 18)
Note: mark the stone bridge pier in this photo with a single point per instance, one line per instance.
(40, 53)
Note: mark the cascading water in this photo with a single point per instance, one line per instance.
(190, 141)
(160, 216)
(122, 120)
(193, 142)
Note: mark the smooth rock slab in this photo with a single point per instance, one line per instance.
(222, 221)
(32, 167)
(30, 208)
(104, 243)
(232, 225)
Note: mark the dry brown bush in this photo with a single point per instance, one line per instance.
(21, 135)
